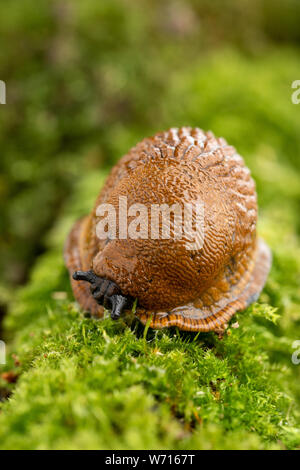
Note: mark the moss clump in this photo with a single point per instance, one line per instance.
(99, 384)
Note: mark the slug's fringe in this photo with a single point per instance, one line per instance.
(73, 262)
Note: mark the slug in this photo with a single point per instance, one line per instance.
(195, 280)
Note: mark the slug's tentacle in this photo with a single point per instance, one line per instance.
(118, 302)
(88, 276)
(104, 291)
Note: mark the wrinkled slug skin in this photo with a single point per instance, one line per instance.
(195, 290)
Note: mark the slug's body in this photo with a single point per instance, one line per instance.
(198, 289)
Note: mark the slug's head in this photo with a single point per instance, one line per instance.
(160, 270)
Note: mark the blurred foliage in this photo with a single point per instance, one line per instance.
(85, 82)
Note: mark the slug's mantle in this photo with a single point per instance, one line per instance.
(195, 290)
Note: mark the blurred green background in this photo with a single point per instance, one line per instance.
(88, 79)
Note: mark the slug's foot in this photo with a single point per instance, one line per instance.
(105, 292)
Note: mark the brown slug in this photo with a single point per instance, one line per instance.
(195, 289)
